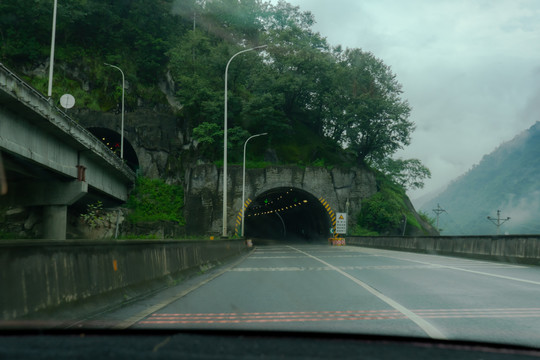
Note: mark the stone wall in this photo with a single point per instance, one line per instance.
(158, 139)
(204, 190)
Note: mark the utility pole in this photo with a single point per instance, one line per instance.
(439, 211)
(498, 221)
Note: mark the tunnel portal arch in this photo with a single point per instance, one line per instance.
(112, 140)
(288, 213)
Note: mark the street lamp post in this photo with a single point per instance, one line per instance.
(244, 179)
(122, 127)
(224, 234)
(51, 65)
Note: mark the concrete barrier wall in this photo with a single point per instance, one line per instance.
(511, 248)
(43, 275)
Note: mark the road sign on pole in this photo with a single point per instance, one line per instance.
(341, 223)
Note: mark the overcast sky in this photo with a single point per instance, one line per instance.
(469, 68)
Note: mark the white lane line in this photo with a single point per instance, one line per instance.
(265, 256)
(250, 269)
(257, 257)
(429, 329)
(466, 270)
(482, 273)
(313, 268)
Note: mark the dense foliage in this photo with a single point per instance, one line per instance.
(314, 100)
(348, 98)
(386, 212)
(154, 200)
(409, 174)
(89, 33)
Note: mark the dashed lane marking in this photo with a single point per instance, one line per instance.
(326, 268)
(256, 256)
(319, 316)
(290, 268)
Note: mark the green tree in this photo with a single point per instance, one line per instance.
(210, 139)
(25, 27)
(155, 200)
(240, 19)
(409, 174)
(301, 64)
(366, 112)
(313, 100)
(197, 64)
(381, 212)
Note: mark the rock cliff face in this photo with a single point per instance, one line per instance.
(162, 149)
(340, 189)
(159, 140)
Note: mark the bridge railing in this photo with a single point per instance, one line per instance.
(62, 121)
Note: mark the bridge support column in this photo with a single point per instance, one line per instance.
(54, 197)
(54, 222)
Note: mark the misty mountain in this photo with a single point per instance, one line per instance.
(508, 179)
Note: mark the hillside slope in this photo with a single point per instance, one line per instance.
(508, 180)
(319, 105)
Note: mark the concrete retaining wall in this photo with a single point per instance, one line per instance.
(511, 248)
(37, 276)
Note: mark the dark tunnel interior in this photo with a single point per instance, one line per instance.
(112, 140)
(287, 214)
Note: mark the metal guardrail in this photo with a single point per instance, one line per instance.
(67, 124)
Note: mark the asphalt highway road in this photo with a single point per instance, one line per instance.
(352, 290)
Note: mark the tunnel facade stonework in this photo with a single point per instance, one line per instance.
(203, 210)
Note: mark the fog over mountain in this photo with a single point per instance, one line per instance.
(469, 69)
(508, 179)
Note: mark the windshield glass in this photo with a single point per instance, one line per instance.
(363, 167)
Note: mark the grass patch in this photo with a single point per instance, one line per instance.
(385, 210)
(154, 200)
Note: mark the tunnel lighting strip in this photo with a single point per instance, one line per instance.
(330, 212)
(238, 227)
(114, 147)
(284, 208)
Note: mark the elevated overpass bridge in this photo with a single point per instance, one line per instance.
(51, 161)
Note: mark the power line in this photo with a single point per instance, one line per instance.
(498, 221)
(439, 211)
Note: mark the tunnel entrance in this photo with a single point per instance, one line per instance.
(287, 214)
(112, 140)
